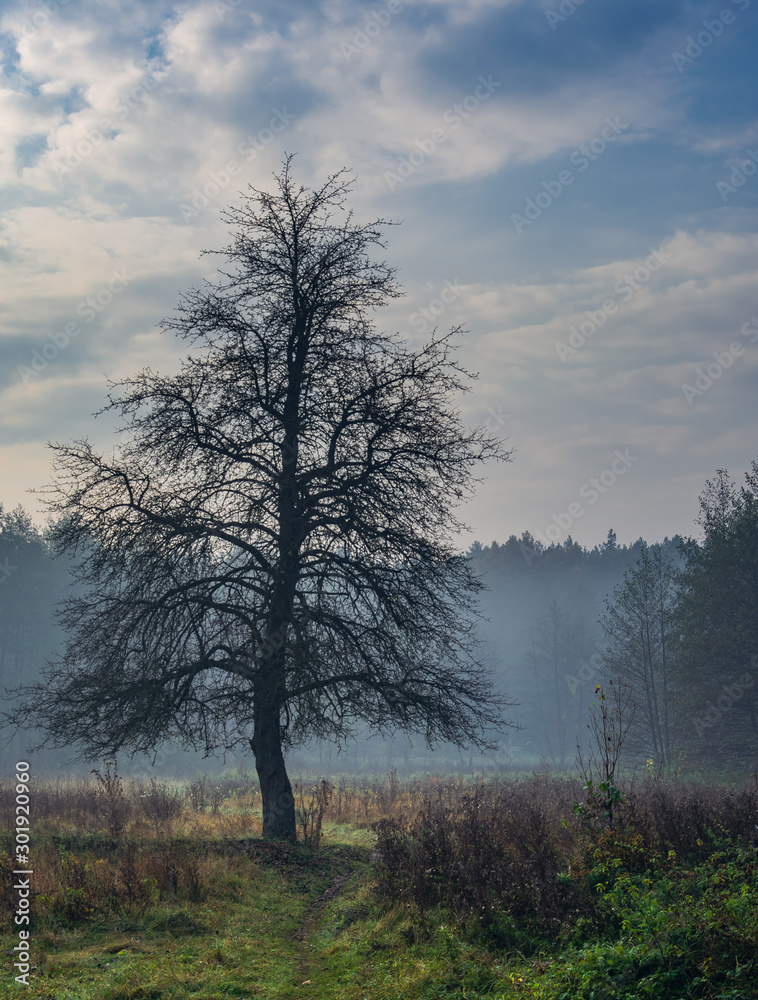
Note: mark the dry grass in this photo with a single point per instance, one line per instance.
(522, 848)
(518, 846)
(126, 809)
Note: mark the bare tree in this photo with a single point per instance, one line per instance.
(269, 553)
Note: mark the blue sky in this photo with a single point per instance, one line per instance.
(579, 179)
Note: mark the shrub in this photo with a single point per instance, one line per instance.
(514, 861)
(489, 853)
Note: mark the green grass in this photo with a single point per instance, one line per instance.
(274, 921)
(247, 935)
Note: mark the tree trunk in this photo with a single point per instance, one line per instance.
(276, 790)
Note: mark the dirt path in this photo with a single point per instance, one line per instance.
(310, 971)
(306, 961)
(313, 912)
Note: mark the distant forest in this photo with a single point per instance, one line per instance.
(676, 621)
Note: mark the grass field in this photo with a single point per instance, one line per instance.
(418, 890)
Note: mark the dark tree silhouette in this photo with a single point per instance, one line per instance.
(268, 555)
(718, 621)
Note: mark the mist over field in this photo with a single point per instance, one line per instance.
(379, 499)
(541, 627)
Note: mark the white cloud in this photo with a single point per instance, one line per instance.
(213, 81)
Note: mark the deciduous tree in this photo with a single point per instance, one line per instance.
(269, 554)
(641, 635)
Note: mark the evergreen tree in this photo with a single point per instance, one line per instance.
(718, 620)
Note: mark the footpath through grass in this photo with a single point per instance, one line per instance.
(496, 890)
(252, 920)
(241, 921)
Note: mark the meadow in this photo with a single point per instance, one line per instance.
(518, 886)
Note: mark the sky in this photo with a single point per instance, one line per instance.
(576, 182)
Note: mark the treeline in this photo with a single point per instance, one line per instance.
(676, 621)
(685, 637)
(543, 637)
(31, 584)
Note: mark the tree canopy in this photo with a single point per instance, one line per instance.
(718, 621)
(268, 554)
